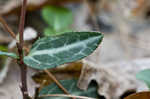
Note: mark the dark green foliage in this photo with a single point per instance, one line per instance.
(144, 76)
(71, 86)
(50, 52)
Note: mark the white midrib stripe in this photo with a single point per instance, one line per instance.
(57, 50)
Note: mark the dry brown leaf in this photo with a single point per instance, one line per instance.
(71, 70)
(114, 79)
(141, 95)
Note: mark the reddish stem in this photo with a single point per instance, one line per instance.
(23, 67)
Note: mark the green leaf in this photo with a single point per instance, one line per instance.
(71, 86)
(57, 17)
(13, 55)
(3, 48)
(144, 76)
(50, 52)
(51, 32)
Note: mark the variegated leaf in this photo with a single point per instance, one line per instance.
(71, 87)
(50, 52)
(13, 55)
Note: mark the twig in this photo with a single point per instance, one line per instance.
(23, 67)
(23, 86)
(8, 29)
(42, 85)
(93, 9)
(56, 81)
(62, 95)
(22, 22)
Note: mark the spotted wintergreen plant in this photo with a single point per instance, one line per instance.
(58, 19)
(52, 51)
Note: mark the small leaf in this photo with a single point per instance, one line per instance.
(50, 52)
(13, 55)
(71, 87)
(3, 48)
(144, 76)
(50, 32)
(57, 17)
(141, 95)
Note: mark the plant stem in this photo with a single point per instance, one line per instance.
(20, 44)
(23, 88)
(62, 95)
(22, 22)
(57, 82)
(23, 67)
(8, 29)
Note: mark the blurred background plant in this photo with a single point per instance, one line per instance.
(59, 20)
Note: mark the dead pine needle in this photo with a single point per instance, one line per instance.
(62, 95)
(57, 82)
(7, 28)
